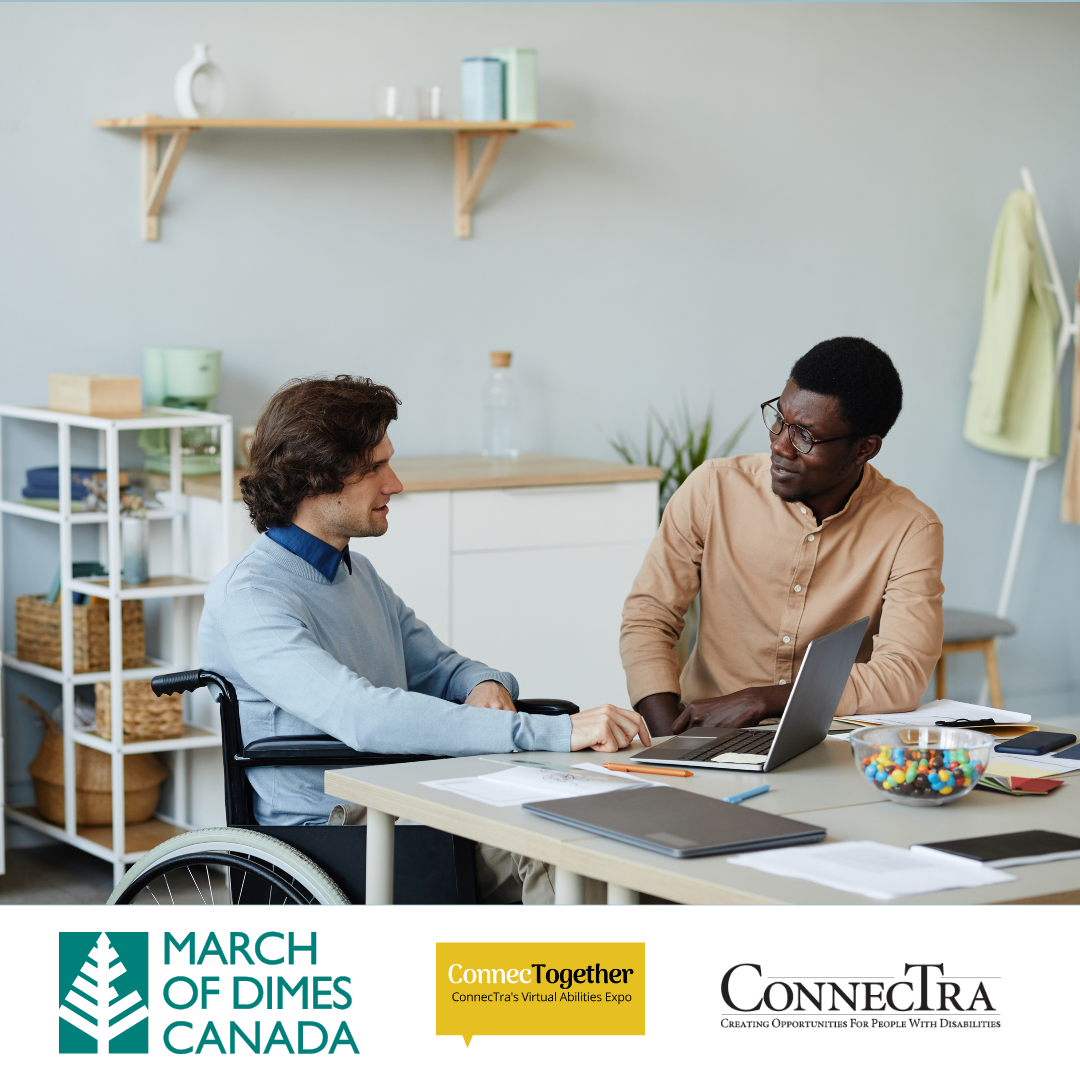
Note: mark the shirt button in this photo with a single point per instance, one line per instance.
(798, 588)
(786, 639)
(810, 538)
(803, 509)
(783, 682)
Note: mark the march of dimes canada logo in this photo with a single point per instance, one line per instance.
(236, 993)
(104, 989)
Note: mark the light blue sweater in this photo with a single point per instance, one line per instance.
(348, 658)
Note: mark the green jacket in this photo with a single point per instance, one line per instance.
(1013, 406)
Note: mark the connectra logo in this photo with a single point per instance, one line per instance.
(923, 996)
(103, 993)
(539, 988)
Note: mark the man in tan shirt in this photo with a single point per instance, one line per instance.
(785, 547)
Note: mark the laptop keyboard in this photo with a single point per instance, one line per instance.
(745, 742)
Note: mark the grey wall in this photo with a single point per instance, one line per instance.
(741, 182)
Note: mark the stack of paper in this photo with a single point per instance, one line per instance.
(518, 785)
(1012, 774)
(1019, 785)
(868, 868)
(946, 709)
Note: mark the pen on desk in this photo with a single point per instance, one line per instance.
(743, 795)
(618, 766)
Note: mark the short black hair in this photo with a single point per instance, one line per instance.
(860, 376)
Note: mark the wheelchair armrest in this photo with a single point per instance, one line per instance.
(315, 750)
(546, 706)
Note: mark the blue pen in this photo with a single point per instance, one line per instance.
(743, 795)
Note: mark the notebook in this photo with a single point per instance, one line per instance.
(675, 822)
(1011, 849)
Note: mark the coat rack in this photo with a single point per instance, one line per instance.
(1070, 321)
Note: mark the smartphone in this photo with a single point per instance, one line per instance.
(1035, 743)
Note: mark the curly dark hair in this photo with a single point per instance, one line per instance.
(313, 434)
(860, 376)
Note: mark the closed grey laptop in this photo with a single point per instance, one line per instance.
(678, 823)
(806, 720)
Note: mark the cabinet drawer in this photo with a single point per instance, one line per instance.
(508, 518)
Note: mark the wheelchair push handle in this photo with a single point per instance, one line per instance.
(179, 682)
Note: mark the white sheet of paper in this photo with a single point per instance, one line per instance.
(880, 871)
(517, 785)
(946, 709)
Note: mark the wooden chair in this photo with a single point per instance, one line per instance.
(973, 631)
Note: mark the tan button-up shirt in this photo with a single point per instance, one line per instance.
(771, 580)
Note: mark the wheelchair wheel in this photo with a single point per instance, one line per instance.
(226, 866)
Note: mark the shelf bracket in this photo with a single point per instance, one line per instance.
(467, 186)
(156, 176)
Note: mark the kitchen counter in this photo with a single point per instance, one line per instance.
(472, 472)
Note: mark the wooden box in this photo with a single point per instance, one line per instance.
(37, 633)
(117, 397)
(146, 716)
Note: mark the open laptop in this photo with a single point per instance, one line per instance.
(806, 720)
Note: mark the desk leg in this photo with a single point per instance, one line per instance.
(617, 894)
(569, 888)
(379, 885)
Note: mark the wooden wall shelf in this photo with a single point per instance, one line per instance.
(157, 172)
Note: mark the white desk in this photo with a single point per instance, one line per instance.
(821, 786)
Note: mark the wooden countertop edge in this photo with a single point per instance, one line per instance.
(554, 479)
(209, 487)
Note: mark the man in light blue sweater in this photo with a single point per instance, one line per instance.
(314, 641)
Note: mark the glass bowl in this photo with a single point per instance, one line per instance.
(921, 766)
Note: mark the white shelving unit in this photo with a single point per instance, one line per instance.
(118, 845)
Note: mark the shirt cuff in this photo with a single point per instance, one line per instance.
(509, 683)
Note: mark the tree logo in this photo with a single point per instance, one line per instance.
(104, 990)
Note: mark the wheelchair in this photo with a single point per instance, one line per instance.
(249, 863)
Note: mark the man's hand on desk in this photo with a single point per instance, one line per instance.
(490, 695)
(744, 708)
(606, 729)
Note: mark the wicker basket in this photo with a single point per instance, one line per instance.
(146, 716)
(37, 633)
(143, 774)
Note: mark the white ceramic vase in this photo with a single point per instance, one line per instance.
(200, 86)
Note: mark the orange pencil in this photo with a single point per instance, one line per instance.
(619, 767)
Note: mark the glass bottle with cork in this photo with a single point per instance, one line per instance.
(500, 409)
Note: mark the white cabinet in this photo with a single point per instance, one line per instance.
(530, 580)
(413, 557)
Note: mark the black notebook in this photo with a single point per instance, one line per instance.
(678, 823)
(1012, 849)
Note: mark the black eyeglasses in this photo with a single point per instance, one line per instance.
(800, 438)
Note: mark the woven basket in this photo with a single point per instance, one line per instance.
(37, 633)
(143, 774)
(146, 716)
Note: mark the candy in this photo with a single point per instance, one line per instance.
(922, 774)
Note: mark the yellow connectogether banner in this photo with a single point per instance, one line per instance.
(539, 988)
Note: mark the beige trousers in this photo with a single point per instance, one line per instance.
(501, 876)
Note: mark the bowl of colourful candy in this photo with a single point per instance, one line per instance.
(921, 766)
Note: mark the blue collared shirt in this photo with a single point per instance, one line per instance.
(323, 556)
